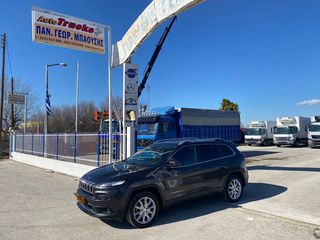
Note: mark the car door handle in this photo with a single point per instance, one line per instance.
(195, 169)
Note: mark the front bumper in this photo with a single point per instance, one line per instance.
(110, 206)
(314, 143)
(284, 142)
(253, 141)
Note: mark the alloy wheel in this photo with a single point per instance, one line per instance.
(144, 210)
(234, 189)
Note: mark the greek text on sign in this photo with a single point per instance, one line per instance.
(61, 30)
(16, 98)
(157, 12)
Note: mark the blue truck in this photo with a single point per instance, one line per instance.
(170, 122)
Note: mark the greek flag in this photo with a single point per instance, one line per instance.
(48, 105)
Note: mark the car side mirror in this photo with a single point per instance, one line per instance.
(172, 163)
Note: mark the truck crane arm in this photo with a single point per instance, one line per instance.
(154, 57)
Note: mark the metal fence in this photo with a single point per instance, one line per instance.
(89, 148)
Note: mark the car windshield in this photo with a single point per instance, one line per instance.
(253, 131)
(314, 128)
(285, 130)
(152, 155)
(147, 128)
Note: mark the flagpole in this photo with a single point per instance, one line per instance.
(46, 114)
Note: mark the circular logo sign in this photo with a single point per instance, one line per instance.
(131, 73)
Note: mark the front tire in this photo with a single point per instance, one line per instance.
(143, 210)
(233, 189)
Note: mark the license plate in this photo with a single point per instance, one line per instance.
(80, 199)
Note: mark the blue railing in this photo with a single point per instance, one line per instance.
(88, 148)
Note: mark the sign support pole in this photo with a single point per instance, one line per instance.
(110, 94)
(124, 127)
(12, 106)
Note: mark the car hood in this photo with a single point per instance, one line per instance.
(114, 171)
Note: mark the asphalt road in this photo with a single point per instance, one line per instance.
(280, 202)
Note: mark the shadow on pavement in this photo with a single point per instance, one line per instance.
(209, 204)
(257, 153)
(275, 168)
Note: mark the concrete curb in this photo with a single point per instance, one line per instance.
(72, 169)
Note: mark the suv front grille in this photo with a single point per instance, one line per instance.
(86, 186)
(315, 136)
(144, 142)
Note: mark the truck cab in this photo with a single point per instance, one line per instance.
(153, 127)
(260, 133)
(314, 132)
(291, 131)
(115, 126)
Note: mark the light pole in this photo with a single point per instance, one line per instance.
(77, 96)
(45, 104)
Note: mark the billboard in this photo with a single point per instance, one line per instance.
(155, 13)
(130, 72)
(65, 31)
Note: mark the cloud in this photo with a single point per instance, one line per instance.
(309, 102)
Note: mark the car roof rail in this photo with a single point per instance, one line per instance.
(177, 139)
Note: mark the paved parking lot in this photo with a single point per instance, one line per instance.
(280, 202)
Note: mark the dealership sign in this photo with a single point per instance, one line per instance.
(61, 30)
(130, 72)
(157, 12)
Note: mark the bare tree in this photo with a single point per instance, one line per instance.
(86, 123)
(116, 107)
(63, 118)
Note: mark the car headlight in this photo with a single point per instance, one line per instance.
(110, 184)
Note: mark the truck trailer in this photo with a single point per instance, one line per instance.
(260, 133)
(291, 131)
(170, 122)
(314, 132)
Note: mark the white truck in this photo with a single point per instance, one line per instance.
(314, 132)
(260, 133)
(291, 131)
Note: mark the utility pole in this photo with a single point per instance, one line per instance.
(3, 41)
(12, 107)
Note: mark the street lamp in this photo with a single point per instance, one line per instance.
(45, 102)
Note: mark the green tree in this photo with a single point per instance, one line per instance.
(227, 105)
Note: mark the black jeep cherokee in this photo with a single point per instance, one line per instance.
(160, 174)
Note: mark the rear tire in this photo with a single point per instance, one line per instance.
(143, 210)
(233, 189)
(278, 145)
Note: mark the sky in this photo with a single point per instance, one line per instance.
(263, 55)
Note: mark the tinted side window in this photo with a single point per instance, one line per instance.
(186, 156)
(225, 151)
(208, 152)
(166, 126)
(172, 126)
